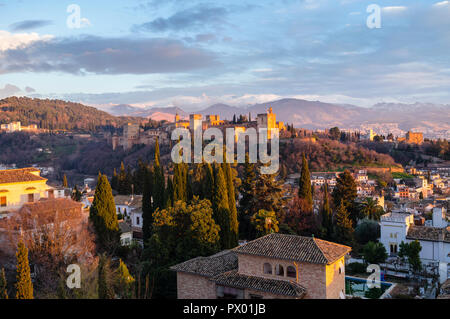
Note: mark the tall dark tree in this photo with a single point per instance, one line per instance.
(105, 288)
(221, 208)
(304, 184)
(169, 193)
(159, 184)
(326, 215)
(180, 182)
(65, 183)
(234, 225)
(103, 215)
(345, 191)
(3, 285)
(343, 228)
(247, 191)
(24, 286)
(115, 180)
(208, 182)
(147, 208)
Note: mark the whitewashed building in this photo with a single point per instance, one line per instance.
(435, 239)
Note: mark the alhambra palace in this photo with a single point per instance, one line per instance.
(134, 135)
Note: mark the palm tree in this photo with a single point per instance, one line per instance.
(371, 209)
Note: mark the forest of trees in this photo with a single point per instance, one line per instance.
(327, 154)
(57, 114)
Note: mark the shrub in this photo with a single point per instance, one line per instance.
(356, 268)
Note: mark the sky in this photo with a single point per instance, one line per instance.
(192, 54)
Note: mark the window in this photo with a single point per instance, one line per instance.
(138, 220)
(280, 270)
(340, 270)
(30, 198)
(291, 272)
(267, 268)
(3, 201)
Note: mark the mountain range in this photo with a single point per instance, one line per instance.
(431, 119)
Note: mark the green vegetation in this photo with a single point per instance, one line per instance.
(401, 175)
(24, 286)
(374, 253)
(57, 114)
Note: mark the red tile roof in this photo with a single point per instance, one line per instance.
(19, 175)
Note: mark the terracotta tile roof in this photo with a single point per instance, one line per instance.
(296, 248)
(429, 233)
(50, 206)
(19, 175)
(278, 287)
(209, 266)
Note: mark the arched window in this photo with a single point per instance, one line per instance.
(291, 272)
(267, 268)
(280, 270)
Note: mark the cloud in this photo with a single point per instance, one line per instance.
(9, 90)
(198, 16)
(29, 89)
(10, 41)
(98, 55)
(442, 3)
(394, 9)
(29, 24)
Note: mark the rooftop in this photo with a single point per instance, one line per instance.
(429, 233)
(296, 248)
(209, 266)
(279, 287)
(20, 175)
(128, 200)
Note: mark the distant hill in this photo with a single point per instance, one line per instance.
(57, 114)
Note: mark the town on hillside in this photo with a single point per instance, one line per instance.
(260, 236)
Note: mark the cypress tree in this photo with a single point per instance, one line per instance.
(208, 182)
(3, 285)
(24, 286)
(103, 214)
(170, 195)
(221, 208)
(234, 225)
(343, 229)
(180, 182)
(65, 184)
(304, 187)
(159, 182)
(147, 219)
(327, 218)
(114, 180)
(105, 290)
(248, 196)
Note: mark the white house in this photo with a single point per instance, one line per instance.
(435, 240)
(126, 234)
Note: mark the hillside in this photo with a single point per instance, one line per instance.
(57, 114)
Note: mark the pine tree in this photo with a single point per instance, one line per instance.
(3, 285)
(24, 286)
(234, 225)
(105, 291)
(304, 189)
(147, 210)
(343, 229)
(103, 215)
(65, 184)
(327, 217)
(221, 208)
(159, 182)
